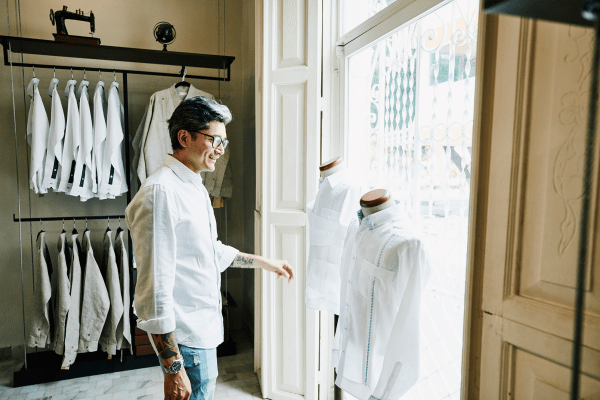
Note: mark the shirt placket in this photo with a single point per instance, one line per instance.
(210, 225)
(362, 229)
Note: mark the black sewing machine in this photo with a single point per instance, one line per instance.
(62, 35)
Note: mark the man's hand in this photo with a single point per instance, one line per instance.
(177, 386)
(280, 267)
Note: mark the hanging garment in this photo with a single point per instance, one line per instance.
(99, 127)
(72, 325)
(219, 183)
(37, 137)
(124, 327)
(84, 185)
(384, 269)
(328, 217)
(62, 296)
(152, 141)
(54, 145)
(72, 140)
(113, 173)
(94, 299)
(108, 339)
(40, 333)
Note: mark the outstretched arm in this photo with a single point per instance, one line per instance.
(280, 267)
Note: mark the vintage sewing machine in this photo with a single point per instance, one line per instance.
(62, 35)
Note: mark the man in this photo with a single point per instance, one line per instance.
(178, 256)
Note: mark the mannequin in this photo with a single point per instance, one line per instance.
(331, 167)
(376, 200)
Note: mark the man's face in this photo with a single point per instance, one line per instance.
(202, 155)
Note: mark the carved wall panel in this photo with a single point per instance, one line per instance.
(546, 199)
(291, 33)
(289, 146)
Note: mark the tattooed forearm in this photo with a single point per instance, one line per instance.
(242, 262)
(166, 345)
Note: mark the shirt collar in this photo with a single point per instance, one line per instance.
(374, 221)
(336, 178)
(175, 97)
(183, 172)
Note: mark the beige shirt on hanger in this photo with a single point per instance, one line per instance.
(95, 302)
(152, 141)
(72, 324)
(62, 295)
(108, 339)
(41, 316)
(124, 327)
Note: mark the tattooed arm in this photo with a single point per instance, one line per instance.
(280, 267)
(177, 386)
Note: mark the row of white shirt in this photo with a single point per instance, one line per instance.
(372, 272)
(81, 304)
(81, 155)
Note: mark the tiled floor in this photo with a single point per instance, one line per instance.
(236, 381)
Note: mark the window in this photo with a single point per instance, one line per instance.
(408, 118)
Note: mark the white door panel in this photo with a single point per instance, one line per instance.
(288, 82)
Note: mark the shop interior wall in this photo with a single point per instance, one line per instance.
(209, 27)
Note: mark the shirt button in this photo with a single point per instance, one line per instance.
(360, 234)
(354, 258)
(348, 282)
(345, 328)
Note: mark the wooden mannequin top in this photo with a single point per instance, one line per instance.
(376, 200)
(331, 167)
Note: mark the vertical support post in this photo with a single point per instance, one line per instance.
(129, 191)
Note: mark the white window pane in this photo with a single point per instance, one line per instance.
(410, 119)
(355, 12)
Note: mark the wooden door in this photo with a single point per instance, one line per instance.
(531, 128)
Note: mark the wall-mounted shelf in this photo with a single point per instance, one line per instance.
(112, 53)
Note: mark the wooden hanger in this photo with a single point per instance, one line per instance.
(330, 164)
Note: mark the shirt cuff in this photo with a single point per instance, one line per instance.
(158, 326)
(227, 256)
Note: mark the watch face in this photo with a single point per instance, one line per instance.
(175, 366)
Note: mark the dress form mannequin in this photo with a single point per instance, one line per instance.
(376, 200)
(331, 167)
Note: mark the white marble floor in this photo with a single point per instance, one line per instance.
(237, 381)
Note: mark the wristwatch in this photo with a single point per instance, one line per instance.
(175, 366)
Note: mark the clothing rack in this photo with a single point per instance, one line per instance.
(43, 364)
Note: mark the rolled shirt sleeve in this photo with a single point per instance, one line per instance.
(152, 220)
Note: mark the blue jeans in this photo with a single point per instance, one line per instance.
(201, 368)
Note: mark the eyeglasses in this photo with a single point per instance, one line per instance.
(217, 141)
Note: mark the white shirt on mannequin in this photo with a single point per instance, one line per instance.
(384, 271)
(328, 217)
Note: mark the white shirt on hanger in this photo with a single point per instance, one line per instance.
(72, 324)
(54, 145)
(113, 173)
(178, 257)
(328, 217)
(385, 269)
(42, 314)
(83, 184)
(72, 140)
(124, 327)
(37, 137)
(108, 339)
(99, 127)
(62, 298)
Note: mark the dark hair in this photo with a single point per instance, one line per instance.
(195, 114)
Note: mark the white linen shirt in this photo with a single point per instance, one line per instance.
(72, 140)
(114, 182)
(328, 218)
(384, 271)
(37, 137)
(54, 145)
(83, 184)
(178, 257)
(99, 126)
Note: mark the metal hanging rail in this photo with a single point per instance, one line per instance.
(113, 53)
(15, 219)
